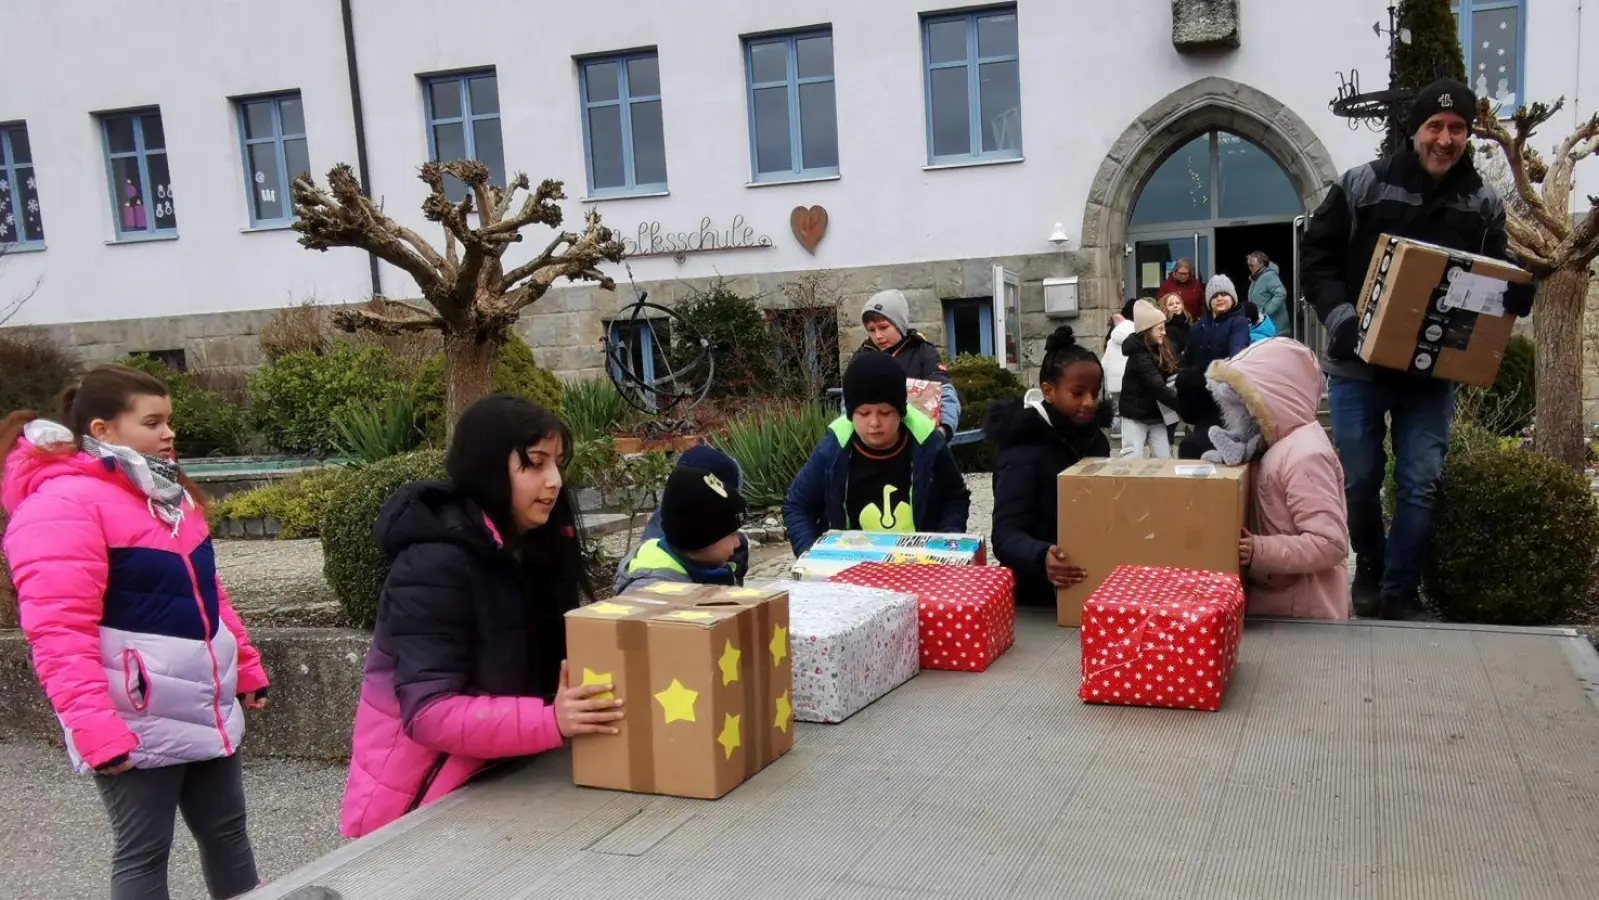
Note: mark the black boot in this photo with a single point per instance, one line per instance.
(1366, 592)
(1403, 608)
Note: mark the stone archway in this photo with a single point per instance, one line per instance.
(1210, 103)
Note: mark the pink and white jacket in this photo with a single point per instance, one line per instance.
(131, 632)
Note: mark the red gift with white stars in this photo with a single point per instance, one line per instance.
(1155, 636)
(966, 615)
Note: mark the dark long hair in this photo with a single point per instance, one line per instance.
(485, 436)
(104, 393)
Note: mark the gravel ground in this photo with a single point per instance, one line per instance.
(55, 843)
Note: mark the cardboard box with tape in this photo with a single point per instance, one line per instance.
(707, 681)
(1432, 311)
(1147, 512)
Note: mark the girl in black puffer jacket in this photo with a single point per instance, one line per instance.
(1146, 398)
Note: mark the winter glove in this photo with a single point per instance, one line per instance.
(1518, 299)
(1343, 334)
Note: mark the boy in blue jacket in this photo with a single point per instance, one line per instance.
(882, 468)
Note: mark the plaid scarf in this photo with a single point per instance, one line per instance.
(155, 477)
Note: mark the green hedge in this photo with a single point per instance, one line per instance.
(980, 381)
(515, 372)
(207, 423)
(297, 398)
(34, 370)
(351, 559)
(298, 502)
(1505, 407)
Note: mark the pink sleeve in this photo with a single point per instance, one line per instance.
(59, 563)
(1320, 540)
(487, 727)
(252, 676)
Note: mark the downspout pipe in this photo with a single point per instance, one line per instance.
(354, 71)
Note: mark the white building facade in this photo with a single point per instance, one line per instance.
(148, 147)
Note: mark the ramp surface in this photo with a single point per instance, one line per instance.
(1350, 761)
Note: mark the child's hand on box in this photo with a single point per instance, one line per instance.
(1060, 570)
(579, 711)
(1246, 548)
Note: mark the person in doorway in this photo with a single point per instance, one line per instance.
(1427, 190)
(132, 635)
(887, 316)
(1267, 292)
(1260, 326)
(1298, 563)
(1147, 400)
(1038, 437)
(700, 520)
(731, 475)
(1184, 282)
(883, 467)
(468, 657)
(1178, 324)
(1220, 334)
(1115, 362)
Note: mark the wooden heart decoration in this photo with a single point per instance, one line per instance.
(809, 225)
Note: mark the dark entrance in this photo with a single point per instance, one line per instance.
(1234, 244)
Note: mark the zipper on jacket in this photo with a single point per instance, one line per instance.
(210, 651)
(427, 781)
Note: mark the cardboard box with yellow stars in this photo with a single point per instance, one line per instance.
(707, 680)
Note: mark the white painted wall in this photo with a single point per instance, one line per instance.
(1088, 69)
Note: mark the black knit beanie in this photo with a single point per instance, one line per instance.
(1443, 95)
(698, 509)
(874, 377)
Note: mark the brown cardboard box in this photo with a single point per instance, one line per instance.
(1151, 512)
(707, 680)
(1433, 311)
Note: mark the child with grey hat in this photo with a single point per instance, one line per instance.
(887, 317)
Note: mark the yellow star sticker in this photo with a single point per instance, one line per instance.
(729, 663)
(592, 677)
(785, 712)
(606, 608)
(729, 737)
(678, 702)
(736, 593)
(669, 587)
(689, 615)
(779, 644)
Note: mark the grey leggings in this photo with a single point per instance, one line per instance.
(142, 804)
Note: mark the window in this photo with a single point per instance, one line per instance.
(622, 128)
(639, 345)
(464, 123)
(793, 119)
(969, 324)
(1491, 40)
(273, 132)
(974, 98)
(21, 222)
(141, 183)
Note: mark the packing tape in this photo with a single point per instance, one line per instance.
(632, 639)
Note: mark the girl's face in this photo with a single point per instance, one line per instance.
(1075, 394)
(1174, 305)
(1157, 335)
(144, 427)
(535, 486)
(1221, 304)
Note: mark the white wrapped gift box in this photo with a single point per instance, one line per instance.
(851, 646)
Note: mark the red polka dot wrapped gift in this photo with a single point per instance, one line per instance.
(966, 615)
(1155, 636)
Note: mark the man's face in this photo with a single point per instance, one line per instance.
(1440, 142)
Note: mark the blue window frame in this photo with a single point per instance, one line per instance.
(273, 147)
(21, 220)
(973, 86)
(969, 326)
(141, 183)
(1493, 40)
(624, 139)
(641, 344)
(792, 105)
(463, 113)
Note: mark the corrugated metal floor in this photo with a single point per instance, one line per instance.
(1350, 761)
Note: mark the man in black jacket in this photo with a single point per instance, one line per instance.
(1427, 191)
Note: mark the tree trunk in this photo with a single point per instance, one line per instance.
(1557, 327)
(469, 375)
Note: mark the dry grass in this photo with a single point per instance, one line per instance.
(308, 326)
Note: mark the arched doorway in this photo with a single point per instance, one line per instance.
(1214, 200)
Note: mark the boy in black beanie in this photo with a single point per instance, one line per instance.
(883, 467)
(700, 521)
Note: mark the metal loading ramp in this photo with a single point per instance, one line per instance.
(1351, 760)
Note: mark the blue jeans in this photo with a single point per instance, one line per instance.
(1422, 412)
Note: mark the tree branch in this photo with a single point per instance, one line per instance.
(1526, 120)
(580, 262)
(543, 259)
(1583, 244)
(343, 217)
(353, 320)
(540, 206)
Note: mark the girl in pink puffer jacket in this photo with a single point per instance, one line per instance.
(143, 659)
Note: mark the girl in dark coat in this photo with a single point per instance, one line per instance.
(1149, 363)
(1038, 437)
(1219, 335)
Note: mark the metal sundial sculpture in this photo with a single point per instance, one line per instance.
(669, 389)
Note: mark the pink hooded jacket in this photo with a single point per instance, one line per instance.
(1301, 561)
(132, 635)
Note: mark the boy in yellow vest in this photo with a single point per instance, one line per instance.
(700, 540)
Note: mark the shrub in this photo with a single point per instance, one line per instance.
(297, 398)
(593, 408)
(298, 502)
(772, 445)
(734, 326)
(980, 381)
(352, 561)
(368, 434)
(515, 372)
(294, 329)
(207, 423)
(1515, 538)
(1505, 407)
(34, 370)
